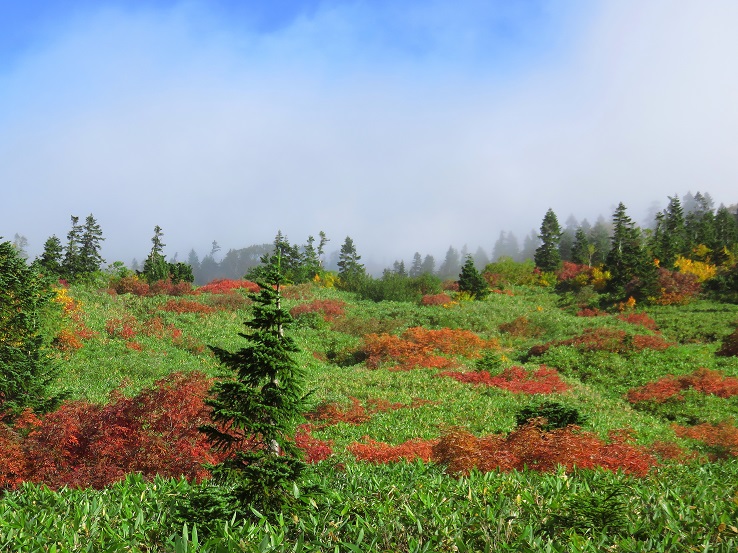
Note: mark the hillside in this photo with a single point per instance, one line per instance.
(653, 402)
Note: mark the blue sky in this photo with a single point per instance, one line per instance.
(408, 125)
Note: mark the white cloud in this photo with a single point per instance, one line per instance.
(169, 118)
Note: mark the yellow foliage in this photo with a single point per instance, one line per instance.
(326, 280)
(600, 278)
(63, 298)
(702, 270)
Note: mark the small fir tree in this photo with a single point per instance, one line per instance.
(254, 414)
(547, 256)
(156, 266)
(72, 263)
(350, 272)
(50, 260)
(89, 250)
(471, 281)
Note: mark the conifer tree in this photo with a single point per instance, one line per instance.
(89, 250)
(471, 281)
(429, 265)
(26, 370)
(547, 256)
(632, 270)
(451, 264)
(416, 269)
(581, 252)
(670, 238)
(50, 260)
(350, 271)
(72, 263)
(156, 266)
(255, 412)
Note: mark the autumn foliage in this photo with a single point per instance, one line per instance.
(721, 439)
(530, 446)
(223, 286)
(328, 309)
(518, 380)
(607, 339)
(421, 347)
(435, 299)
(330, 413)
(671, 387)
(380, 452)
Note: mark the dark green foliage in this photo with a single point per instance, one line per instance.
(350, 271)
(547, 256)
(89, 247)
(633, 272)
(180, 272)
(26, 371)
(156, 266)
(556, 415)
(669, 239)
(581, 250)
(50, 261)
(254, 413)
(471, 281)
(72, 264)
(397, 287)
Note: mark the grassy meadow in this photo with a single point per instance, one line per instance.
(383, 393)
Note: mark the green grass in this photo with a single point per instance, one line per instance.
(413, 506)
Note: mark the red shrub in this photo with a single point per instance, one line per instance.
(607, 339)
(721, 438)
(332, 413)
(569, 271)
(315, 450)
(221, 286)
(330, 309)
(639, 319)
(131, 285)
(155, 432)
(702, 380)
(450, 285)
(187, 306)
(543, 380)
(123, 327)
(380, 452)
(677, 288)
(167, 288)
(530, 446)
(435, 299)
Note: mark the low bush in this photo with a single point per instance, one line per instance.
(671, 387)
(518, 380)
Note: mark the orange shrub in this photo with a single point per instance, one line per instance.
(221, 286)
(702, 380)
(330, 309)
(435, 299)
(530, 446)
(380, 452)
(721, 438)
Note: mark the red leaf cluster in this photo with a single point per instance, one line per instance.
(606, 339)
(330, 413)
(380, 452)
(420, 347)
(591, 312)
(677, 288)
(87, 445)
(571, 270)
(222, 286)
(518, 380)
(165, 287)
(315, 450)
(530, 446)
(435, 299)
(122, 327)
(702, 380)
(722, 438)
(186, 306)
(330, 309)
(639, 319)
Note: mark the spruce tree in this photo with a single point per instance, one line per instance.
(670, 237)
(50, 260)
(89, 251)
(451, 264)
(156, 266)
(632, 270)
(350, 272)
(72, 263)
(26, 369)
(254, 413)
(547, 256)
(581, 252)
(471, 281)
(416, 269)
